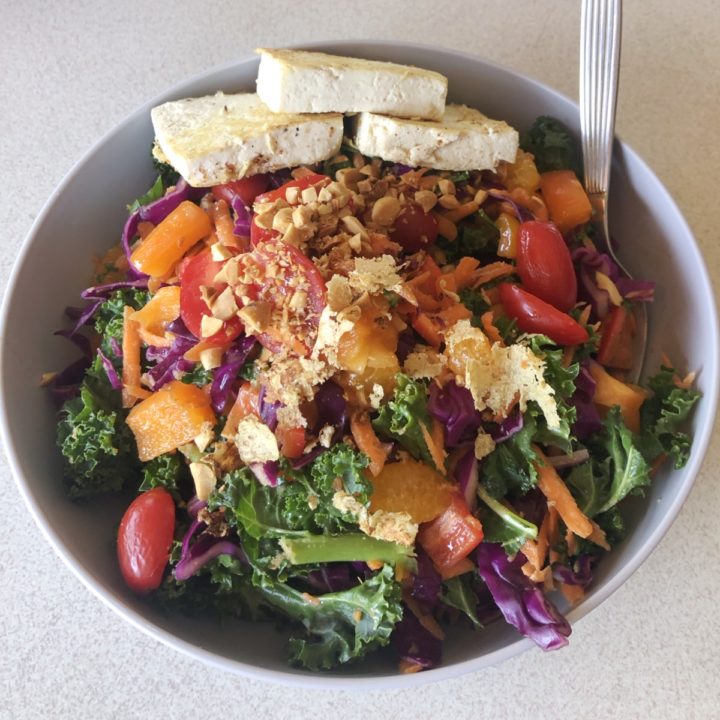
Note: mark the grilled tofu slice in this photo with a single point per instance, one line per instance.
(464, 139)
(219, 138)
(299, 81)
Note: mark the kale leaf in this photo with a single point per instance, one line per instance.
(401, 416)
(162, 471)
(617, 468)
(661, 416)
(477, 237)
(341, 626)
(109, 317)
(502, 525)
(98, 447)
(552, 145)
(459, 593)
(154, 193)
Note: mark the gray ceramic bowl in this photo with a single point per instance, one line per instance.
(85, 215)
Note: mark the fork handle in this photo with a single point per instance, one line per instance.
(599, 62)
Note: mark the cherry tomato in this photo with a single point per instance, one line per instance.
(451, 536)
(144, 539)
(260, 235)
(290, 285)
(247, 189)
(534, 315)
(616, 345)
(195, 272)
(301, 183)
(414, 228)
(545, 266)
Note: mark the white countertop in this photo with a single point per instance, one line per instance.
(70, 71)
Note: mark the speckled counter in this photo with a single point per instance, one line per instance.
(70, 71)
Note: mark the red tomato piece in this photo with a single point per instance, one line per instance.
(414, 228)
(292, 441)
(451, 536)
(545, 266)
(195, 272)
(247, 189)
(293, 289)
(301, 183)
(534, 315)
(616, 344)
(259, 235)
(144, 538)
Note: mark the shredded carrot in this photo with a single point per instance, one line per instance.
(457, 214)
(426, 620)
(488, 326)
(137, 392)
(464, 272)
(572, 593)
(492, 271)
(459, 568)
(144, 228)
(657, 463)
(224, 225)
(446, 227)
(301, 172)
(426, 328)
(450, 315)
(437, 451)
(555, 490)
(150, 338)
(553, 529)
(193, 354)
(567, 356)
(571, 542)
(375, 564)
(598, 536)
(368, 442)
(407, 667)
(131, 357)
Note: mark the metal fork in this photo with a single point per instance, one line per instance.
(599, 64)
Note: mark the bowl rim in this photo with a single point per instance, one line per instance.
(701, 438)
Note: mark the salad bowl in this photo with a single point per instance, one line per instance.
(82, 218)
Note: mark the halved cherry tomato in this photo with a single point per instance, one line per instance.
(259, 235)
(292, 441)
(291, 288)
(451, 536)
(247, 189)
(534, 315)
(195, 272)
(414, 228)
(545, 266)
(144, 538)
(301, 183)
(616, 345)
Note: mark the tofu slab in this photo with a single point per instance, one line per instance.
(219, 138)
(464, 139)
(299, 81)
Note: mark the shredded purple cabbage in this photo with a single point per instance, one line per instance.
(207, 548)
(268, 410)
(406, 342)
(399, 169)
(82, 342)
(155, 212)
(223, 388)
(414, 644)
(83, 317)
(523, 214)
(66, 384)
(532, 506)
(507, 428)
(279, 178)
(587, 419)
(454, 407)
(637, 290)
(243, 217)
(101, 292)
(171, 362)
(522, 603)
(580, 573)
(110, 371)
(466, 475)
(332, 577)
(267, 473)
(331, 410)
(427, 583)
(195, 505)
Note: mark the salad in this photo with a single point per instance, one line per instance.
(367, 400)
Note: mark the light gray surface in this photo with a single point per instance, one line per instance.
(69, 74)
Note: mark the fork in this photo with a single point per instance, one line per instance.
(599, 64)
